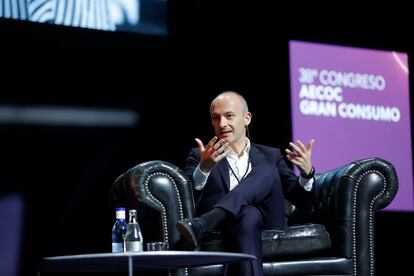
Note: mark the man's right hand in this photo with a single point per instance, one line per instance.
(212, 153)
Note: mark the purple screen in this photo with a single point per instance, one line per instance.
(355, 103)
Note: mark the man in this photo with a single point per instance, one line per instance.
(240, 186)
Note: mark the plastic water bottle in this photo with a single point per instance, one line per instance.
(133, 237)
(118, 230)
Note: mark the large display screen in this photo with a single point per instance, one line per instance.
(141, 16)
(355, 103)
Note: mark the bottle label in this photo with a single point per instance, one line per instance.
(117, 247)
(133, 246)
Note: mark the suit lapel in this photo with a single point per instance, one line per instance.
(256, 156)
(223, 169)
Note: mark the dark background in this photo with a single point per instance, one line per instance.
(64, 173)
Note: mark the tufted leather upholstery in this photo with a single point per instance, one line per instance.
(345, 201)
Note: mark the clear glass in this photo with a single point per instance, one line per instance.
(119, 230)
(157, 246)
(133, 240)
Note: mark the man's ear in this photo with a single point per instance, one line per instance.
(247, 118)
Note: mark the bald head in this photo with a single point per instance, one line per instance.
(231, 96)
(230, 117)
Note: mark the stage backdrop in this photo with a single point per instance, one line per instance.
(355, 103)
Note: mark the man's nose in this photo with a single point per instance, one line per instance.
(223, 122)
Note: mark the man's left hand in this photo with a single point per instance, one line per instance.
(301, 156)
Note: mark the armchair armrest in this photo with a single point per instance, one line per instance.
(160, 187)
(345, 201)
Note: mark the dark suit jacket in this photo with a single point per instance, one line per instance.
(218, 182)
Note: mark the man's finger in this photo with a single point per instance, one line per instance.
(310, 145)
(295, 147)
(293, 160)
(200, 145)
(301, 145)
(212, 142)
(223, 154)
(222, 148)
(300, 160)
(217, 145)
(290, 153)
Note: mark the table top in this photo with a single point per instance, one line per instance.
(143, 260)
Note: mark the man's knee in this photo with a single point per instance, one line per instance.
(250, 219)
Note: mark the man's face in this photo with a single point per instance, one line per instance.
(229, 118)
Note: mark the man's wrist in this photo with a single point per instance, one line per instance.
(310, 175)
(199, 178)
(203, 168)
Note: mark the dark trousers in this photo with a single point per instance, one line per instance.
(256, 203)
(244, 236)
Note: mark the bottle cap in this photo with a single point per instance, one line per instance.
(120, 213)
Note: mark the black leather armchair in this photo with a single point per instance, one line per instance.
(333, 236)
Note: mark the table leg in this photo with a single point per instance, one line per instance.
(225, 267)
(130, 267)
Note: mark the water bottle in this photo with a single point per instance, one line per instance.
(133, 238)
(118, 230)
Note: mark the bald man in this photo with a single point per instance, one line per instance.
(240, 186)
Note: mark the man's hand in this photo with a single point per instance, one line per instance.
(301, 156)
(212, 153)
